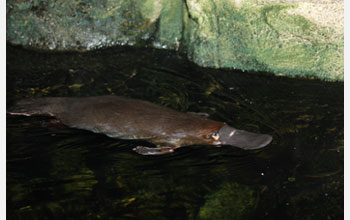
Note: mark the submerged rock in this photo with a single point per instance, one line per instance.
(232, 202)
(295, 38)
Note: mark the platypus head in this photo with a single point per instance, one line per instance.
(243, 139)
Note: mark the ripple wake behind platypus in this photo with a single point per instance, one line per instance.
(125, 118)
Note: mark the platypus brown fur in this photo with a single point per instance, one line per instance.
(125, 118)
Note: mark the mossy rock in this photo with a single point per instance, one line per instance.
(266, 36)
(290, 38)
(232, 202)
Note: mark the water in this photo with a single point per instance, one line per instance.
(55, 172)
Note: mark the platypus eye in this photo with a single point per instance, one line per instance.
(214, 135)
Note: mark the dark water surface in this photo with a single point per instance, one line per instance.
(55, 172)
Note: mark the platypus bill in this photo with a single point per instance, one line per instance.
(125, 118)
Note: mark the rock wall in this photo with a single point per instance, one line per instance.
(286, 37)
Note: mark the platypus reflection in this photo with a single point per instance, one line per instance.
(125, 118)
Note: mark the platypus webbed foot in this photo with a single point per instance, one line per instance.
(153, 150)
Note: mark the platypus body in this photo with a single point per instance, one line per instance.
(124, 118)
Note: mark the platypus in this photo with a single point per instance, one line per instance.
(125, 118)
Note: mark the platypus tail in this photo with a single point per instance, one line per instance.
(31, 106)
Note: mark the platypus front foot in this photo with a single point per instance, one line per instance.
(153, 150)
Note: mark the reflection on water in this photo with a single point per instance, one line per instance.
(55, 172)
